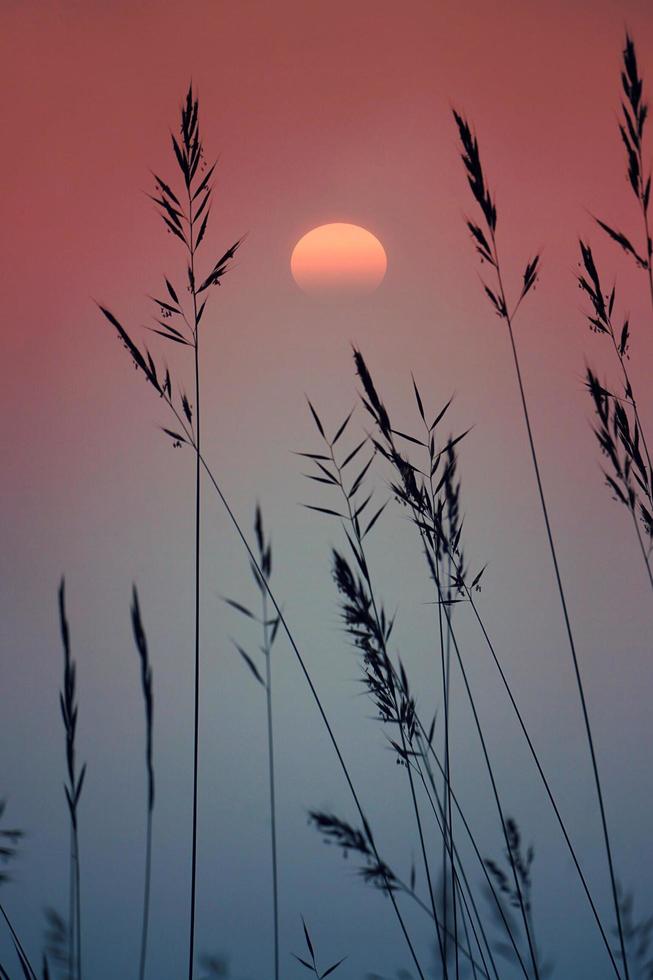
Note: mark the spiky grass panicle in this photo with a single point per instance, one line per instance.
(312, 965)
(68, 704)
(73, 788)
(485, 239)
(351, 840)
(619, 432)
(472, 160)
(620, 441)
(635, 113)
(370, 630)
(148, 697)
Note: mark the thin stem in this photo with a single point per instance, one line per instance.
(78, 913)
(472, 841)
(197, 446)
(71, 907)
(146, 894)
(542, 774)
(459, 877)
(273, 819)
(445, 660)
(17, 942)
(641, 546)
(495, 790)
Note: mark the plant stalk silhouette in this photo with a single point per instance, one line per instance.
(486, 245)
(188, 223)
(269, 628)
(73, 789)
(148, 699)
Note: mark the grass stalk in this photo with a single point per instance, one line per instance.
(73, 787)
(148, 700)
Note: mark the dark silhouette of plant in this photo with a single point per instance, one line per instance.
(364, 617)
(620, 431)
(73, 789)
(186, 216)
(634, 113)
(312, 966)
(486, 245)
(56, 942)
(148, 700)
(269, 628)
(185, 432)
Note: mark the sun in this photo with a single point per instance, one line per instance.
(337, 261)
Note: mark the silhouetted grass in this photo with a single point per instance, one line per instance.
(148, 699)
(425, 483)
(620, 432)
(269, 628)
(73, 790)
(486, 245)
(187, 222)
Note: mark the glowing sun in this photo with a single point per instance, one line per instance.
(338, 260)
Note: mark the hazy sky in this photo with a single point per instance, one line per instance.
(319, 112)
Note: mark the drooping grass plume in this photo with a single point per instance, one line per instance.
(269, 628)
(352, 840)
(148, 700)
(486, 245)
(73, 788)
(312, 965)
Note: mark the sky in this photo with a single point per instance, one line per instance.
(318, 113)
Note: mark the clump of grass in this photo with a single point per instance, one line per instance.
(410, 489)
(367, 624)
(353, 840)
(148, 700)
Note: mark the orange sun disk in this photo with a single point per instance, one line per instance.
(338, 260)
